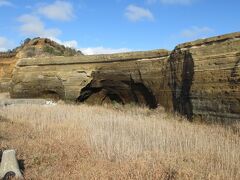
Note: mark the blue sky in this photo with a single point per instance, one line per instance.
(107, 26)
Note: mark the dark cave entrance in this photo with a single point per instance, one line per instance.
(122, 92)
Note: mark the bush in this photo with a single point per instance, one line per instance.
(52, 51)
(31, 51)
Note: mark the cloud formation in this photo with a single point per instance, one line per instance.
(59, 10)
(90, 50)
(70, 44)
(136, 13)
(33, 26)
(102, 50)
(5, 3)
(196, 32)
(5, 44)
(171, 2)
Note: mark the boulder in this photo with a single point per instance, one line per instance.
(9, 166)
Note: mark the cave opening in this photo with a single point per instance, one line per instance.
(122, 92)
(141, 91)
(113, 97)
(86, 92)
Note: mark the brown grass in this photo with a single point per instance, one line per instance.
(83, 142)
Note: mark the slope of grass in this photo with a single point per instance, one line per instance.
(72, 142)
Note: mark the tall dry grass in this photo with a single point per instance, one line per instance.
(69, 141)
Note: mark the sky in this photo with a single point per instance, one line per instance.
(109, 26)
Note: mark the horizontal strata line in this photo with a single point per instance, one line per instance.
(218, 98)
(216, 114)
(91, 62)
(197, 90)
(223, 84)
(216, 69)
(209, 57)
(220, 60)
(208, 41)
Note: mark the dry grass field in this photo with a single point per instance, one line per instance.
(93, 142)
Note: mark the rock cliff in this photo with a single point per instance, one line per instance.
(7, 63)
(205, 78)
(37, 47)
(199, 79)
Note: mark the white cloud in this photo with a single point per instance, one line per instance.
(59, 10)
(89, 50)
(5, 3)
(102, 50)
(136, 13)
(171, 2)
(33, 26)
(196, 32)
(5, 44)
(71, 43)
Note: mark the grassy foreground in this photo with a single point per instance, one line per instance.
(93, 142)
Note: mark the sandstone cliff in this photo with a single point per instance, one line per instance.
(198, 79)
(92, 78)
(205, 78)
(37, 47)
(7, 63)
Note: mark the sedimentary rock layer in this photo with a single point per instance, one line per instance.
(37, 47)
(7, 64)
(95, 79)
(205, 78)
(198, 79)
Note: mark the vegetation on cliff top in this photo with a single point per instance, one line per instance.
(42, 47)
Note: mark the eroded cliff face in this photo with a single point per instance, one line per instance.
(124, 77)
(7, 63)
(198, 79)
(205, 78)
(37, 47)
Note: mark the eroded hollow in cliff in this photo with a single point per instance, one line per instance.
(49, 94)
(122, 92)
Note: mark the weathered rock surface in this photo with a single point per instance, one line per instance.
(205, 78)
(38, 47)
(116, 77)
(7, 64)
(199, 79)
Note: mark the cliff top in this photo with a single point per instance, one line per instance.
(39, 47)
(210, 40)
(104, 58)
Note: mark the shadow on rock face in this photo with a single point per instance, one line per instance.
(21, 165)
(122, 92)
(180, 84)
